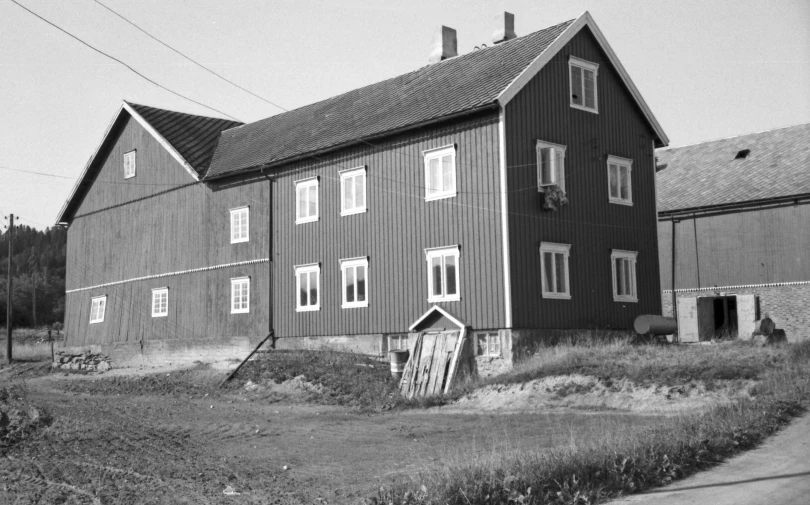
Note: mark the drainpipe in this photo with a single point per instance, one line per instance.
(674, 295)
(697, 253)
(270, 256)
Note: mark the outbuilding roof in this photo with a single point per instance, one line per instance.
(721, 172)
(482, 78)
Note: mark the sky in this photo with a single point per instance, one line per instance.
(707, 69)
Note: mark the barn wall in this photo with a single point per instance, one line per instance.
(589, 223)
(394, 232)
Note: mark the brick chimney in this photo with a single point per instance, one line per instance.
(445, 44)
(504, 27)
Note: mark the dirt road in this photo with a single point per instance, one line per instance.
(173, 439)
(776, 473)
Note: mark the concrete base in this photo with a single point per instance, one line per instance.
(176, 351)
(525, 342)
(371, 345)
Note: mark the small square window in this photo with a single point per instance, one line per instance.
(306, 200)
(487, 343)
(398, 342)
(98, 306)
(620, 180)
(353, 191)
(623, 264)
(443, 276)
(550, 165)
(308, 286)
(160, 302)
(129, 165)
(240, 225)
(554, 269)
(354, 273)
(583, 87)
(240, 295)
(440, 173)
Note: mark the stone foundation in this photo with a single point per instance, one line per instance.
(89, 362)
(788, 306)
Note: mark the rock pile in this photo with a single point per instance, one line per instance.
(83, 361)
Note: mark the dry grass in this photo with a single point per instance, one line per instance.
(622, 461)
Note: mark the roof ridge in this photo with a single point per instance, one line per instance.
(133, 104)
(670, 148)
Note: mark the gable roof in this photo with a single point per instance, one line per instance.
(190, 139)
(484, 78)
(710, 174)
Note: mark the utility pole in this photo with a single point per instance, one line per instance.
(10, 290)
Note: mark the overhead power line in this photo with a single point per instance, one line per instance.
(189, 58)
(121, 62)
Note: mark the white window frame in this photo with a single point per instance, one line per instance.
(583, 65)
(307, 183)
(557, 172)
(236, 282)
(98, 308)
(350, 174)
(439, 153)
(630, 256)
(442, 252)
(489, 336)
(400, 338)
(157, 293)
(307, 269)
(621, 163)
(344, 265)
(236, 238)
(130, 164)
(565, 250)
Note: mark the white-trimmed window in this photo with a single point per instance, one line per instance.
(583, 84)
(554, 269)
(398, 342)
(487, 343)
(620, 180)
(550, 165)
(306, 200)
(353, 191)
(354, 274)
(129, 164)
(97, 308)
(440, 173)
(160, 302)
(624, 275)
(443, 277)
(308, 287)
(240, 225)
(240, 295)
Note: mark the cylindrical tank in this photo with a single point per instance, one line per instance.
(398, 360)
(655, 325)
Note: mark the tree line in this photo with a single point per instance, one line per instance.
(39, 260)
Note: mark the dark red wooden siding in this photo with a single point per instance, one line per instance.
(394, 232)
(755, 246)
(591, 224)
(153, 224)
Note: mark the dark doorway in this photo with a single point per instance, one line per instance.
(725, 316)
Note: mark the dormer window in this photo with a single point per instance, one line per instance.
(583, 84)
(129, 165)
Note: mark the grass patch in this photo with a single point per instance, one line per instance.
(349, 379)
(629, 461)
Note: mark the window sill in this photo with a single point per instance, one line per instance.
(454, 298)
(306, 220)
(246, 311)
(441, 196)
(308, 309)
(240, 241)
(354, 305)
(557, 296)
(160, 315)
(624, 299)
(129, 176)
(96, 322)
(626, 203)
(586, 109)
(353, 212)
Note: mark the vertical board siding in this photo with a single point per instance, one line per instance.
(393, 233)
(755, 246)
(126, 231)
(589, 223)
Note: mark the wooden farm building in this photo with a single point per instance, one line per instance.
(513, 186)
(739, 210)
